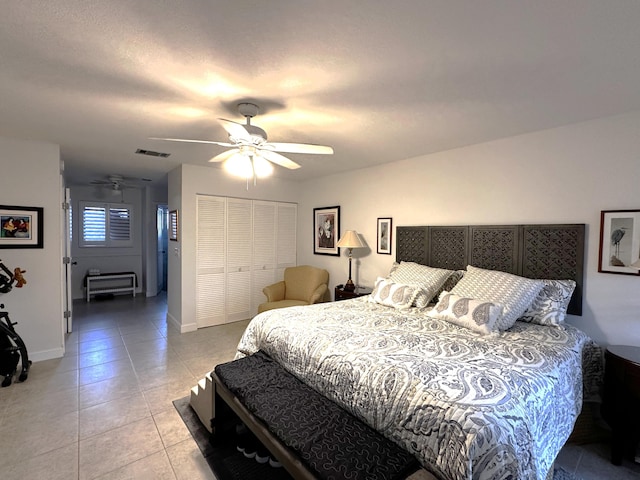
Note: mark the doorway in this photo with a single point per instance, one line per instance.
(162, 225)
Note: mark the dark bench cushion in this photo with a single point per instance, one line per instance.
(330, 441)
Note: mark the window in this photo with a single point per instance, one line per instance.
(105, 225)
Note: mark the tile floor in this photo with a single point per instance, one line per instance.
(104, 410)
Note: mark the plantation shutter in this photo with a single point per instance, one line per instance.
(105, 225)
(119, 225)
(94, 224)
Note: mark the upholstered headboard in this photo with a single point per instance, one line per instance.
(554, 252)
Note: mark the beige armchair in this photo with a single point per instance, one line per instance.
(302, 285)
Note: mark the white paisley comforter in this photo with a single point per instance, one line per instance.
(468, 406)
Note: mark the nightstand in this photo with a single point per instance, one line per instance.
(341, 294)
(621, 399)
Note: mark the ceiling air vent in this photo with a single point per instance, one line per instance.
(151, 153)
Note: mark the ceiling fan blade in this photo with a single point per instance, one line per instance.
(298, 148)
(236, 130)
(225, 155)
(279, 159)
(223, 144)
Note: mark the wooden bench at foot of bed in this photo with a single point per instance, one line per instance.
(309, 434)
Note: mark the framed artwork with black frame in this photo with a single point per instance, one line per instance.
(21, 227)
(173, 225)
(384, 235)
(619, 241)
(326, 231)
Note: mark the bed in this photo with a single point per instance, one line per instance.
(467, 400)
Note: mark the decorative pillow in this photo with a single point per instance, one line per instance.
(514, 293)
(391, 294)
(476, 315)
(550, 306)
(427, 279)
(450, 282)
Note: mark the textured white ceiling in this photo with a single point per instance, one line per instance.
(378, 81)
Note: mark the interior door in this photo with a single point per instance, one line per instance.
(67, 228)
(238, 259)
(162, 224)
(210, 261)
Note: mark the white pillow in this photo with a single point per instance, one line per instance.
(476, 315)
(391, 294)
(428, 279)
(550, 306)
(514, 293)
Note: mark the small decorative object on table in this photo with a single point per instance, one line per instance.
(342, 294)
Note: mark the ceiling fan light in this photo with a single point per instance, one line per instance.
(263, 168)
(239, 166)
(248, 167)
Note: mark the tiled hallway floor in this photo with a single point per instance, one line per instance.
(104, 410)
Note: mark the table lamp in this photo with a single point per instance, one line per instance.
(350, 240)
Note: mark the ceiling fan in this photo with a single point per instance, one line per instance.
(120, 182)
(250, 153)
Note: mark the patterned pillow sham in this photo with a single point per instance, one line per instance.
(449, 283)
(550, 306)
(428, 279)
(476, 315)
(391, 294)
(514, 293)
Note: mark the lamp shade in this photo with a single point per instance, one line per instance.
(350, 239)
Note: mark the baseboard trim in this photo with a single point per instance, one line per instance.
(184, 328)
(45, 354)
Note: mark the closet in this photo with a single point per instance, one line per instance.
(241, 246)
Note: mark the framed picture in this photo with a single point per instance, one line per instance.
(384, 236)
(173, 225)
(20, 227)
(326, 231)
(619, 241)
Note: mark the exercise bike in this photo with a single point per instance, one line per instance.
(12, 348)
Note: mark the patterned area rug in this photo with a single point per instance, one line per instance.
(562, 474)
(227, 463)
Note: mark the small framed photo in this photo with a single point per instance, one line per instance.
(173, 225)
(326, 231)
(384, 236)
(21, 227)
(619, 241)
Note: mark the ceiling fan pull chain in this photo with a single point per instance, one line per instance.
(253, 171)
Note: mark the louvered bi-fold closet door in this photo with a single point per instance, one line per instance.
(286, 255)
(239, 253)
(264, 250)
(210, 261)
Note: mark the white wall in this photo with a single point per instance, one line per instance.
(107, 259)
(185, 182)
(30, 176)
(563, 175)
